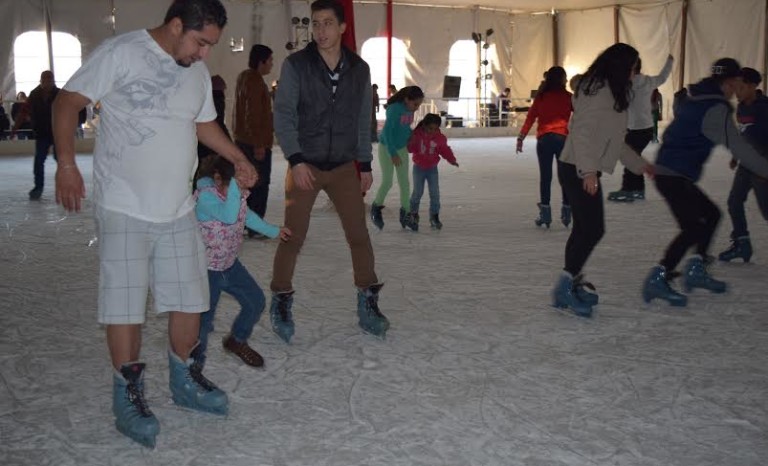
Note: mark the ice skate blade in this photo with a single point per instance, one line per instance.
(148, 441)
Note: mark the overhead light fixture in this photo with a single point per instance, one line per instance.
(488, 33)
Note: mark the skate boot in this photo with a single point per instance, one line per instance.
(133, 418)
(565, 215)
(412, 221)
(281, 316)
(696, 276)
(545, 216)
(657, 285)
(564, 296)
(376, 217)
(585, 291)
(403, 218)
(435, 223)
(741, 248)
(189, 387)
(371, 320)
(621, 196)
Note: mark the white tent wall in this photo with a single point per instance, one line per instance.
(724, 28)
(582, 35)
(18, 17)
(715, 28)
(655, 32)
(531, 52)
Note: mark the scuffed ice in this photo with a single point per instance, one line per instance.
(477, 368)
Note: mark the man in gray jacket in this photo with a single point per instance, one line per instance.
(322, 121)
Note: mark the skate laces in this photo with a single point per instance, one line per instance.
(283, 310)
(372, 303)
(136, 397)
(579, 282)
(196, 374)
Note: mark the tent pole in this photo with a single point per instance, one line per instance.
(49, 34)
(555, 40)
(389, 45)
(683, 40)
(765, 45)
(616, 24)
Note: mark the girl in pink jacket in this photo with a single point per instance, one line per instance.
(427, 144)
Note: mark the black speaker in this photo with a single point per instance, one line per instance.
(451, 87)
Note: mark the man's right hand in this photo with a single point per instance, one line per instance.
(303, 176)
(70, 188)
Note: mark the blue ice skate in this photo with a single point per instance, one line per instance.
(585, 291)
(565, 215)
(656, 286)
(545, 216)
(190, 388)
(280, 315)
(741, 248)
(371, 320)
(376, 217)
(412, 221)
(133, 418)
(564, 297)
(696, 276)
(403, 218)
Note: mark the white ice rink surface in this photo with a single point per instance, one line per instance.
(477, 368)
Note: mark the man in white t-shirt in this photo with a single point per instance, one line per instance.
(156, 101)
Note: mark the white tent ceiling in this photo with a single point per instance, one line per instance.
(524, 5)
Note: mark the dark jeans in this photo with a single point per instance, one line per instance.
(240, 284)
(637, 139)
(429, 176)
(588, 220)
(695, 213)
(42, 145)
(257, 200)
(743, 182)
(549, 146)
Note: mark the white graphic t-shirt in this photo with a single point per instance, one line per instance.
(146, 147)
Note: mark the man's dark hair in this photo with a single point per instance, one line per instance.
(259, 54)
(196, 14)
(751, 76)
(338, 10)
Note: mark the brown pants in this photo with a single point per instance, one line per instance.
(343, 188)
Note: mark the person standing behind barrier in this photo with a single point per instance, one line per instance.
(552, 108)
(156, 102)
(393, 152)
(22, 121)
(595, 142)
(40, 105)
(640, 128)
(253, 127)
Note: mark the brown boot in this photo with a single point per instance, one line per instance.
(243, 351)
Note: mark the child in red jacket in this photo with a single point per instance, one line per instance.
(427, 144)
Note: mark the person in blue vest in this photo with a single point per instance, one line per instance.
(704, 120)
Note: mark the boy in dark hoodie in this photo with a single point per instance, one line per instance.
(704, 121)
(752, 118)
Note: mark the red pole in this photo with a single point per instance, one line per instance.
(389, 45)
(348, 39)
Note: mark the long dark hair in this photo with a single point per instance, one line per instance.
(554, 80)
(214, 164)
(408, 92)
(614, 67)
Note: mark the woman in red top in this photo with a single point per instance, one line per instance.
(552, 108)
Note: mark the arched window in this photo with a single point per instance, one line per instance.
(30, 55)
(463, 61)
(374, 52)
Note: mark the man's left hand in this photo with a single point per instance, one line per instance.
(366, 181)
(245, 174)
